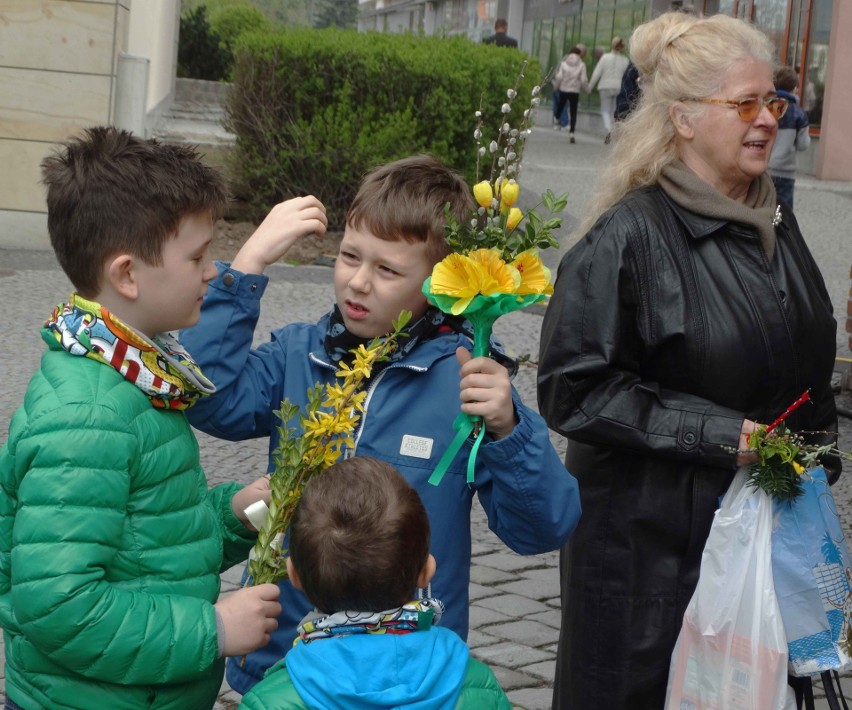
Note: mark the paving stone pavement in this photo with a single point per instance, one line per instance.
(514, 599)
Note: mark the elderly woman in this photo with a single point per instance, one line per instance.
(690, 310)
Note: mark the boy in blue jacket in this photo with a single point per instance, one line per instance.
(793, 136)
(394, 235)
(359, 549)
(111, 544)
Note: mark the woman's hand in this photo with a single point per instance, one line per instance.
(746, 455)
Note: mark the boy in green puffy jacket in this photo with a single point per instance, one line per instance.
(111, 544)
(359, 548)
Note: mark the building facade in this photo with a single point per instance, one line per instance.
(66, 65)
(814, 36)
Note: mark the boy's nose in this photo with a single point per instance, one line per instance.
(360, 280)
(210, 270)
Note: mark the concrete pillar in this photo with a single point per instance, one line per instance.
(834, 155)
(430, 18)
(131, 90)
(515, 18)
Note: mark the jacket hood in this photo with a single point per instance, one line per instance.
(572, 60)
(792, 98)
(422, 670)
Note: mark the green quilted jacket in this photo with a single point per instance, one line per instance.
(111, 547)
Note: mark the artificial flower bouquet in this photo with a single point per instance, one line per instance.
(494, 267)
(325, 430)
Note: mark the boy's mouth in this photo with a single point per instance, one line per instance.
(355, 310)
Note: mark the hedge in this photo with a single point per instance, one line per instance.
(314, 110)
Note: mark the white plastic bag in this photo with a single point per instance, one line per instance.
(731, 653)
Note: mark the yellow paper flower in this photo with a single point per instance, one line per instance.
(535, 276)
(514, 216)
(466, 276)
(483, 193)
(456, 276)
(509, 193)
(496, 276)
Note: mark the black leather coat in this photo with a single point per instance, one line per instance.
(665, 330)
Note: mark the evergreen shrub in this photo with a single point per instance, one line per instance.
(314, 110)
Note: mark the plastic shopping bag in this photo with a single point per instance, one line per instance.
(731, 653)
(811, 569)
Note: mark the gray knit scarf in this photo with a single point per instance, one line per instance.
(692, 193)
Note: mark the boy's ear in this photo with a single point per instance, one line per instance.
(293, 575)
(121, 276)
(427, 572)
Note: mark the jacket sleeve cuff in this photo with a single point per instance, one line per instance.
(237, 283)
(720, 437)
(512, 445)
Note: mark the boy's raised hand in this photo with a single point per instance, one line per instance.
(285, 223)
(487, 392)
(249, 616)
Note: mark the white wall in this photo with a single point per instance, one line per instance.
(154, 29)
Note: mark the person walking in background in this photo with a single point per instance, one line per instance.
(500, 38)
(627, 97)
(562, 120)
(607, 78)
(793, 135)
(569, 79)
(667, 337)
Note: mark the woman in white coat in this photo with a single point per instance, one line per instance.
(607, 78)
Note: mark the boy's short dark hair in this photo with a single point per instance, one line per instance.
(405, 200)
(501, 25)
(110, 192)
(786, 79)
(359, 537)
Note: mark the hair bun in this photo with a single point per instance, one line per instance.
(651, 41)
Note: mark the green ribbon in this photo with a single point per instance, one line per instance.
(463, 424)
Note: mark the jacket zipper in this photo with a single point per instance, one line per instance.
(370, 390)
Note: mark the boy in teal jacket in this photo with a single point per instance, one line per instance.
(111, 545)
(359, 548)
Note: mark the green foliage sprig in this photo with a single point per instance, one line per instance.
(495, 223)
(324, 430)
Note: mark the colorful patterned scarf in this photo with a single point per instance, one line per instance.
(417, 615)
(160, 367)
